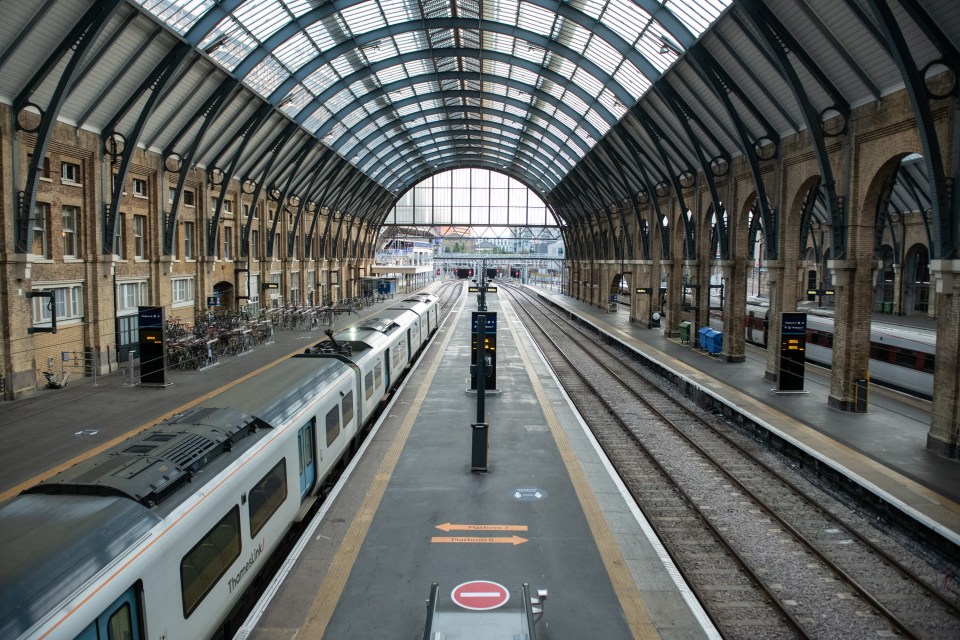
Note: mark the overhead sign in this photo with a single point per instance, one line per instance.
(271, 285)
(480, 595)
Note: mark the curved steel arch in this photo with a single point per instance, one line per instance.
(504, 151)
(461, 76)
(498, 141)
(522, 134)
(371, 118)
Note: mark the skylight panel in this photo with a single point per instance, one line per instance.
(409, 41)
(604, 55)
(649, 46)
(564, 119)
(560, 65)
(364, 17)
(397, 11)
(299, 7)
(296, 51)
(498, 42)
(697, 15)
(598, 122)
(523, 75)
(346, 64)
(612, 103)
(587, 81)
(573, 36)
(626, 19)
(266, 76)
(352, 118)
(416, 68)
(340, 100)
(320, 34)
(321, 79)
(262, 18)
(296, 100)
(179, 16)
(236, 43)
(630, 78)
(534, 18)
(550, 87)
(380, 50)
(391, 74)
(317, 119)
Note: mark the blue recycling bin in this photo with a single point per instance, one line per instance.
(703, 334)
(714, 341)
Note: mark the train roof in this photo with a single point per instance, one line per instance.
(151, 466)
(53, 545)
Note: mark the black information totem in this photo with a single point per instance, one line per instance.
(490, 350)
(153, 346)
(793, 346)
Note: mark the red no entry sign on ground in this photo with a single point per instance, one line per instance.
(480, 595)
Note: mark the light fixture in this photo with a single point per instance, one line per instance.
(668, 46)
(216, 44)
(173, 162)
(719, 166)
(248, 186)
(286, 102)
(686, 179)
(662, 188)
(215, 175)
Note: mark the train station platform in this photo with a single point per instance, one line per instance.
(409, 512)
(883, 450)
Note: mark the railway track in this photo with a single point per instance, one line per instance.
(767, 554)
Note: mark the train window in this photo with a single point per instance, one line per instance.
(120, 625)
(209, 560)
(368, 385)
(378, 374)
(906, 358)
(266, 496)
(333, 424)
(347, 405)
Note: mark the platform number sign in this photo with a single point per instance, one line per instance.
(793, 346)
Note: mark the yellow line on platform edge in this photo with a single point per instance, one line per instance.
(335, 580)
(631, 601)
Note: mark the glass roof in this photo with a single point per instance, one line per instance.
(387, 83)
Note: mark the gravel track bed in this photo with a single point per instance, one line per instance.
(814, 593)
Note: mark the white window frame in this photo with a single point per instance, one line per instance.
(119, 244)
(69, 173)
(132, 294)
(184, 291)
(71, 232)
(139, 237)
(140, 187)
(68, 297)
(189, 198)
(189, 249)
(41, 226)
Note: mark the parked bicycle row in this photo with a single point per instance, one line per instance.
(193, 353)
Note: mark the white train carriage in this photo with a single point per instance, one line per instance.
(901, 357)
(159, 536)
(425, 305)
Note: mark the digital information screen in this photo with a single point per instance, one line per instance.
(490, 349)
(793, 347)
(153, 351)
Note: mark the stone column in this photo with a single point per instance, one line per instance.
(16, 316)
(641, 306)
(734, 309)
(674, 302)
(853, 280)
(775, 289)
(945, 418)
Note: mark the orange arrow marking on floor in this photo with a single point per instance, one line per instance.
(446, 526)
(514, 540)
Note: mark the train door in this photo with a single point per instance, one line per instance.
(306, 438)
(120, 621)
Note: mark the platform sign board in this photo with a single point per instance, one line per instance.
(490, 348)
(153, 351)
(793, 346)
(480, 595)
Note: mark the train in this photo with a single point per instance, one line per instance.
(901, 357)
(159, 537)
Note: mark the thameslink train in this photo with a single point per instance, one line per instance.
(901, 357)
(159, 537)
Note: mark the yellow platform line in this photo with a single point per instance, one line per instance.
(631, 601)
(323, 606)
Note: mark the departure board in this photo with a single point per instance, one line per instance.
(793, 347)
